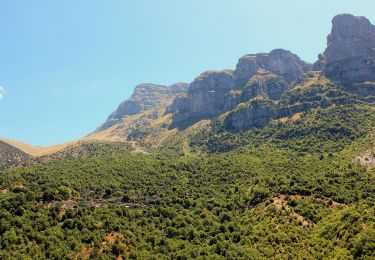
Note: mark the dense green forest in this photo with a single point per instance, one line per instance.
(288, 191)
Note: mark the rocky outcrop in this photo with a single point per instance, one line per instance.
(266, 85)
(247, 66)
(145, 97)
(255, 113)
(350, 53)
(215, 92)
(280, 62)
(206, 94)
(263, 84)
(283, 63)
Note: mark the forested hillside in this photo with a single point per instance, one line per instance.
(272, 160)
(262, 201)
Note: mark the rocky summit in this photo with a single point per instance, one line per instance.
(214, 92)
(350, 53)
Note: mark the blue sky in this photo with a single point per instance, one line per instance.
(65, 65)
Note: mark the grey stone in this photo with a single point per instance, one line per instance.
(254, 113)
(350, 52)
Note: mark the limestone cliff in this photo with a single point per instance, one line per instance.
(254, 113)
(146, 97)
(350, 53)
(215, 92)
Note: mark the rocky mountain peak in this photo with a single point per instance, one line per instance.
(350, 53)
(350, 26)
(279, 61)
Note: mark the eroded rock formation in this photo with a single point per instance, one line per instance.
(215, 92)
(145, 97)
(350, 53)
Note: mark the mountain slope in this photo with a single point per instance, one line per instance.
(273, 160)
(146, 97)
(36, 150)
(10, 154)
(260, 202)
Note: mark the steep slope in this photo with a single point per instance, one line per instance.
(350, 53)
(10, 154)
(149, 118)
(146, 98)
(215, 92)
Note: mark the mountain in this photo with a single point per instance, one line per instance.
(264, 87)
(272, 160)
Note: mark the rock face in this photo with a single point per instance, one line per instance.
(263, 84)
(205, 96)
(145, 97)
(283, 63)
(350, 53)
(255, 113)
(215, 92)
(280, 62)
(266, 85)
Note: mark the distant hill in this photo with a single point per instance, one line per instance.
(36, 151)
(10, 154)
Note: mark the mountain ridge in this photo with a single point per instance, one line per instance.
(272, 160)
(265, 77)
(260, 89)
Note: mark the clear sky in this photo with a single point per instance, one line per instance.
(65, 65)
